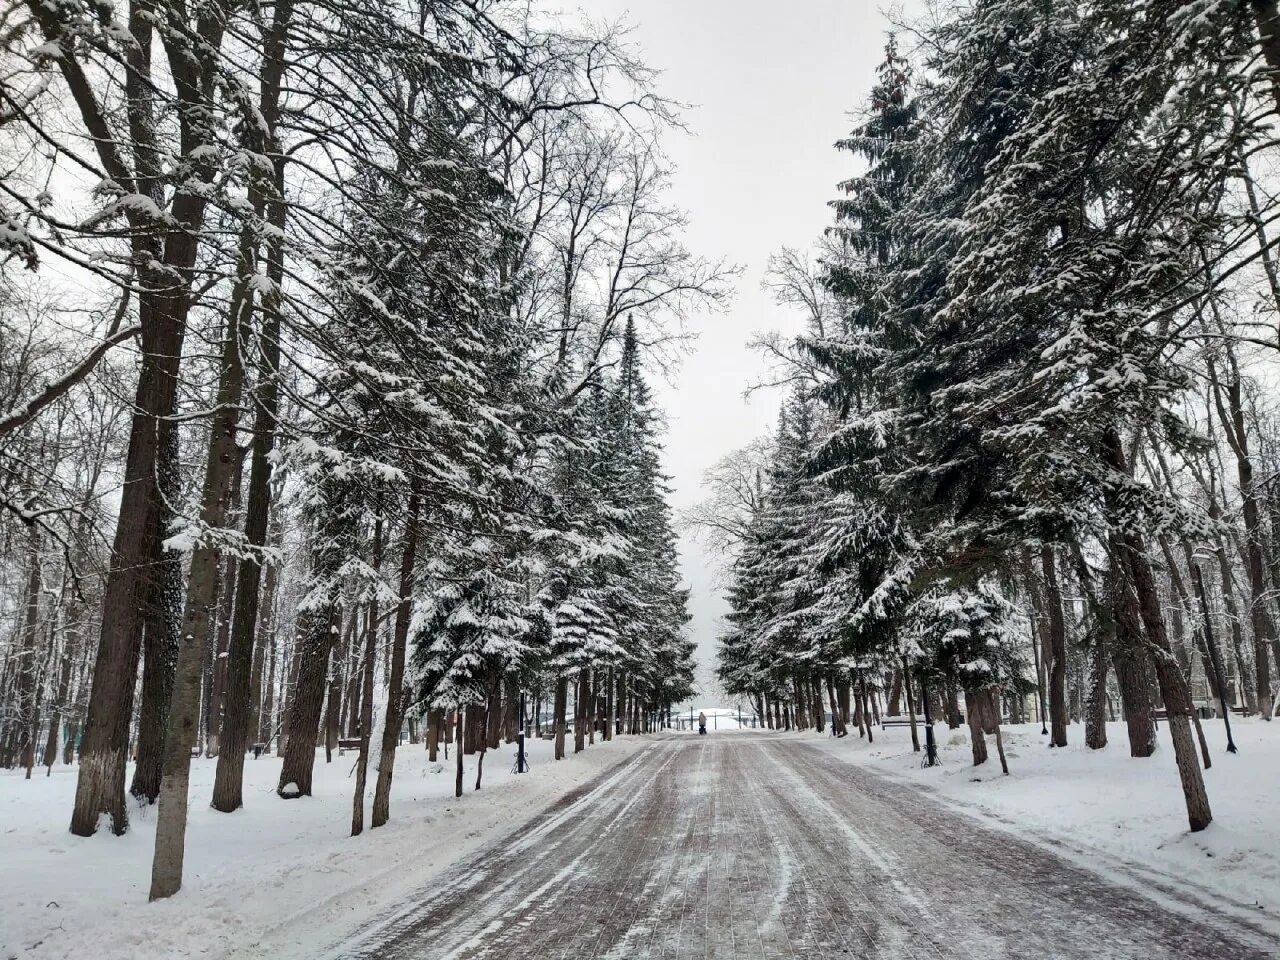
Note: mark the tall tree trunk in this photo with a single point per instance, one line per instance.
(579, 711)
(1268, 24)
(223, 461)
(1173, 689)
(837, 721)
(366, 692)
(1131, 662)
(973, 713)
(1095, 717)
(561, 705)
(610, 703)
(395, 682)
(435, 721)
(228, 791)
(318, 624)
(911, 705)
(162, 626)
(1057, 636)
(894, 708)
(28, 679)
(1233, 424)
(226, 609)
(58, 708)
(267, 718)
(461, 725)
(165, 270)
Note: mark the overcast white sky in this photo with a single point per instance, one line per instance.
(773, 86)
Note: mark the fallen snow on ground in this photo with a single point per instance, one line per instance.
(273, 872)
(1109, 809)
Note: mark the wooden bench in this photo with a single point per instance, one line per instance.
(896, 722)
(348, 743)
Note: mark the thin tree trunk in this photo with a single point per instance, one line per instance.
(610, 704)
(1057, 636)
(1233, 424)
(395, 682)
(459, 749)
(366, 692)
(579, 711)
(911, 705)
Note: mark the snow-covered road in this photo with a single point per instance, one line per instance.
(753, 846)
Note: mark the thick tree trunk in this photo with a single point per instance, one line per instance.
(162, 626)
(952, 704)
(510, 710)
(561, 705)
(165, 271)
(100, 787)
(978, 740)
(1095, 717)
(894, 708)
(1268, 24)
(316, 632)
(493, 714)
(1173, 689)
(433, 735)
(579, 711)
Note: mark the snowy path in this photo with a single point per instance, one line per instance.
(750, 846)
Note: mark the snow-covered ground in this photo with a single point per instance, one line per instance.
(271, 872)
(1108, 810)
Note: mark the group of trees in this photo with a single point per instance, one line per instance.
(323, 330)
(1029, 448)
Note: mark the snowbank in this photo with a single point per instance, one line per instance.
(274, 872)
(1108, 810)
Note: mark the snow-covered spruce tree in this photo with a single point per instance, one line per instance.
(1078, 164)
(971, 637)
(862, 550)
(407, 407)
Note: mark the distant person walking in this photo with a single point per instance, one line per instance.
(702, 723)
